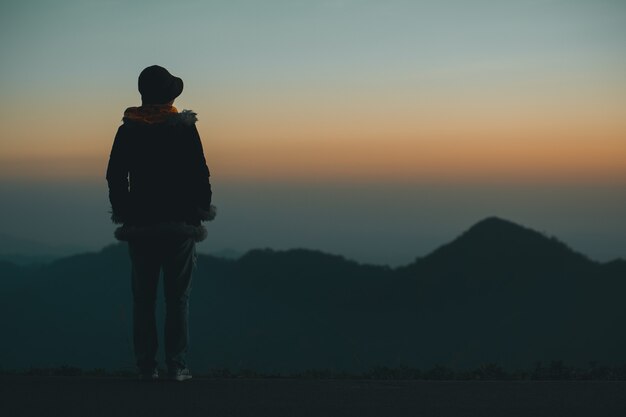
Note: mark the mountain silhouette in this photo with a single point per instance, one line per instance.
(25, 251)
(499, 292)
(495, 243)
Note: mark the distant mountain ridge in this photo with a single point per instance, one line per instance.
(22, 251)
(503, 243)
(499, 292)
(505, 238)
(10, 244)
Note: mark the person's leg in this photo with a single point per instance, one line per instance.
(178, 263)
(146, 269)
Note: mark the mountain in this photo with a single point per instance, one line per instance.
(226, 253)
(503, 244)
(25, 251)
(499, 292)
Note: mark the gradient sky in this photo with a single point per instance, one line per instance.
(513, 94)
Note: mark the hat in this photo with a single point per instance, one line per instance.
(157, 85)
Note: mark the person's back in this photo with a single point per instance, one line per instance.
(166, 169)
(159, 190)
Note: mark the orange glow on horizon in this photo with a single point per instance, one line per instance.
(436, 142)
(419, 160)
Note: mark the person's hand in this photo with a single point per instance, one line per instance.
(116, 217)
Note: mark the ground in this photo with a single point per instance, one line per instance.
(235, 397)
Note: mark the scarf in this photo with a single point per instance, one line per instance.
(150, 113)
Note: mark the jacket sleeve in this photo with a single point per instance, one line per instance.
(201, 174)
(117, 178)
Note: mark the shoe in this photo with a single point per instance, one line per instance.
(179, 374)
(152, 375)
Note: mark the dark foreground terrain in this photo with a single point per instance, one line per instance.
(110, 396)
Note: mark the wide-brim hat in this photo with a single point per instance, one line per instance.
(157, 85)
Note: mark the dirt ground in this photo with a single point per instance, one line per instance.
(93, 396)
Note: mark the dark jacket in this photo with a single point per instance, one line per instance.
(158, 178)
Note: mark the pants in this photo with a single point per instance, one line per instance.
(176, 256)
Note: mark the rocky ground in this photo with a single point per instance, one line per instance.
(238, 397)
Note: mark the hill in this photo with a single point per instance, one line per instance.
(500, 292)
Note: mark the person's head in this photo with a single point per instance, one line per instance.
(158, 86)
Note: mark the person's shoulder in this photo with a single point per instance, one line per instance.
(184, 118)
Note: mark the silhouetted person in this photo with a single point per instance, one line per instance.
(159, 190)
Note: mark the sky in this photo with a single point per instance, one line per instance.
(376, 130)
